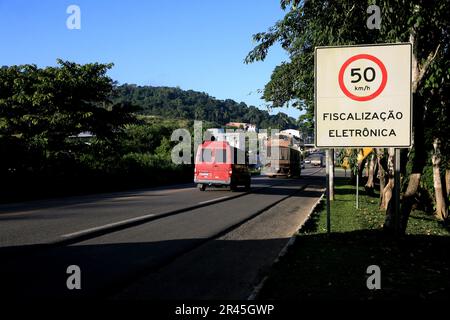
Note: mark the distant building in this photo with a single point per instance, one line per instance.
(242, 125)
(215, 132)
(85, 134)
(294, 135)
(235, 139)
(291, 132)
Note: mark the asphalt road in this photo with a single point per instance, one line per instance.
(54, 220)
(110, 261)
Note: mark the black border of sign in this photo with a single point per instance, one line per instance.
(410, 90)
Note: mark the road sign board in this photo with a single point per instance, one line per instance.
(363, 96)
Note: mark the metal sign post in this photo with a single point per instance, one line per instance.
(328, 190)
(357, 188)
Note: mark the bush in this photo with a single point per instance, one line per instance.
(153, 169)
(138, 157)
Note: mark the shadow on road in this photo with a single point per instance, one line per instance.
(316, 267)
(215, 269)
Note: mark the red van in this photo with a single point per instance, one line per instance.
(216, 165)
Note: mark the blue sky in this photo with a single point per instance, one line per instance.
(192, 44)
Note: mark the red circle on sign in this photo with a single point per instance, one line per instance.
(383, 79)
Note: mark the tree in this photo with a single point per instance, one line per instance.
(312, 23)
(181, 104)
(43, 109)
(381, 172)
(370, 185)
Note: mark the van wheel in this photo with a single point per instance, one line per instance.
(201, 187)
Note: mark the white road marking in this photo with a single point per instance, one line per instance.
(224, 197)
(114, 224)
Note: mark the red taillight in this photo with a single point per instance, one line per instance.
(230, 172)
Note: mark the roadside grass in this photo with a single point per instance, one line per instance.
(321, 266)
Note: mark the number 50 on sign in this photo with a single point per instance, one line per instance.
(363, 96)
